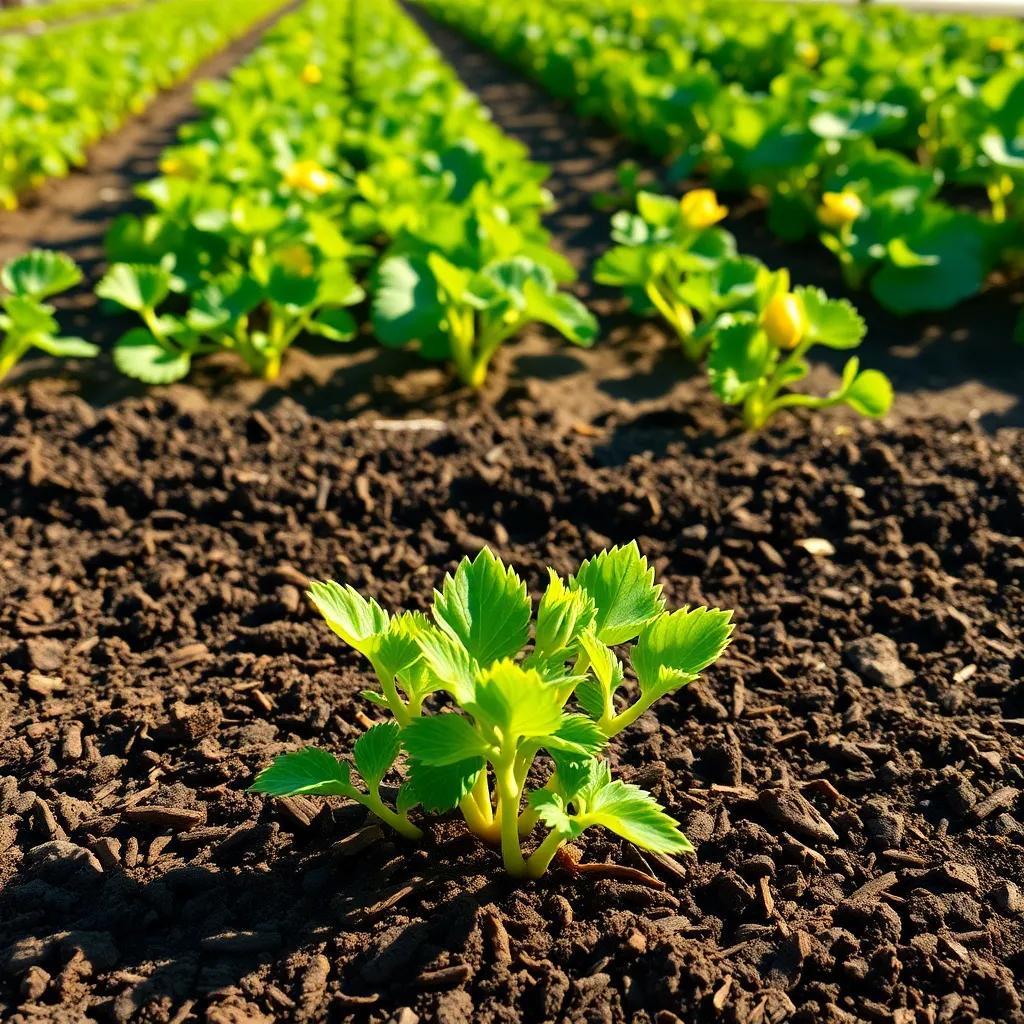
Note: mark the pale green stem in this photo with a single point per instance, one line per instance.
(14, 351)
(509, 797)
(399, 822)
(541, 858)
(614, 725)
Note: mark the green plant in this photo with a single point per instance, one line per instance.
(256, 313)
(755, 359)
(737, 312)
(476, 703)
(27, 321)
(465, 315)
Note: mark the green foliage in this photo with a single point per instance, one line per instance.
(476, 704)
(741, 316)
(26, 321)
(798, 104)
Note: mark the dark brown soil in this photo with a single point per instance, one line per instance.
(157, 651)
(856, 803)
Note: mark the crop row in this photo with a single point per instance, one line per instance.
(60, 10)
(792, 103)
(343, 157)
(63, 89)
(344, 160)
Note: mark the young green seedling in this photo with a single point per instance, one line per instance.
(754, 359)
(466, 315)
(481, 697)
(659, 247)
(256, 313)
(27, 321)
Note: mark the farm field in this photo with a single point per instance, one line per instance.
(358, 299)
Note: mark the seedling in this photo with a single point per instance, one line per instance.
(27, 321)
(659, 246)
(755, 358)
(754, 331)
(486, 698)
(465, 314)
(257, 312)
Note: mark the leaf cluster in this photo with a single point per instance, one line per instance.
(486, 692)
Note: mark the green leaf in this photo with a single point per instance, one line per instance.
(138, 354)
(675, 648)
(406, 306)
(870, 394)
(519, 702)
(136, 286)
(635, 815)
(440, 789)
(39, 274)
(550, 808)
(355, 619)
(376, 750)
(741, 356)
(564, 312)
(623, 590)
(624, 266)
(831, 322)
(451, 665)
(397, 649)
(310, 771)
(596, 696)
(67, 348)
(657, 210)
(580, 780)
(291, 290)
(577, 736)
(486, 607)
(333, 324)
(443, 739)
(28, 316)
(562, 615)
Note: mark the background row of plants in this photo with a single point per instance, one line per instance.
(918, 121)
(62, 89)
(12, 18)
(343, 160)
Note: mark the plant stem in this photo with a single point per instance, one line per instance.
(509, 796)
(399, 822)
(9, 358)
(542, 856)
(615, 725)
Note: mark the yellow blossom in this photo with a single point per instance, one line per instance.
(309, 176)
(171, 166)
(808, 53)
(838, 209)
(784, 320)
(296, 258)
(998, 44)
(701, 208)
(312, 75)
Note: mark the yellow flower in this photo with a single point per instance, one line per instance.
(640, 13)
(701, 208)
(171, 166)
(309, 176)
(838, 209)
(808, 53)
(296, 258)
(33, 100)
(312, 75)
(998, 44)
(784, 320)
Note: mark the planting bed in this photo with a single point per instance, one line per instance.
(856, 804)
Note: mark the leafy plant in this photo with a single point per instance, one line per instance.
(455, 312)
(257, 314)
(659, 247)
(802, 106)
(732, 309)
(480, 709)
(754, 360)
(27, 321)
